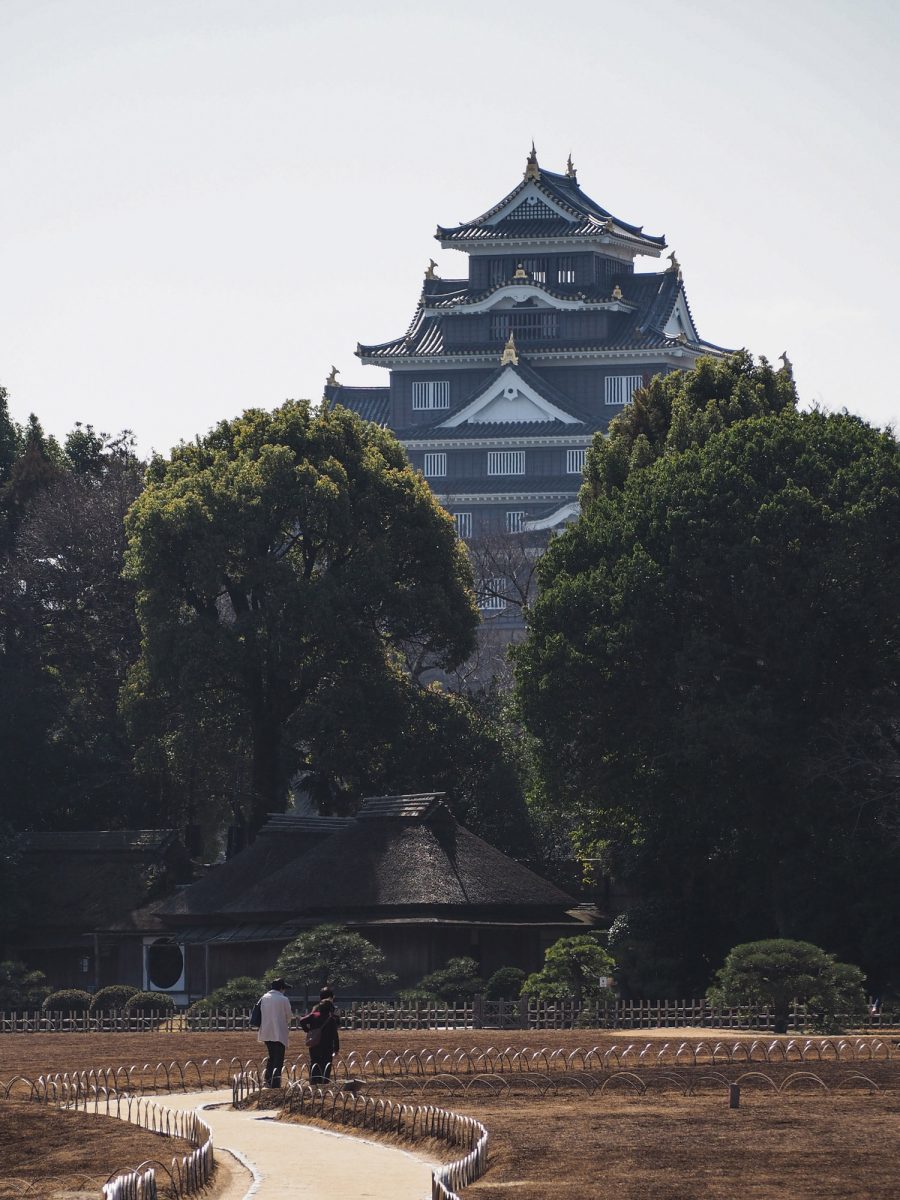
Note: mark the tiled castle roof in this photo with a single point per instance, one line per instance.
(584, 218)
(653, 295)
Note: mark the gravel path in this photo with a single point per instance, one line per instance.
(300, 1162)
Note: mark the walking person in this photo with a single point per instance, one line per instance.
(274, 1029)
(322, 1037)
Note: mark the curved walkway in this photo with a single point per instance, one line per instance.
(303, 1162)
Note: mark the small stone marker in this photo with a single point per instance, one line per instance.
(734, 1095)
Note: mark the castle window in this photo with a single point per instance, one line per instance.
(431, 393)
(463, 523)
(525, 326)
(499, 272)
(435, 466)
(536, 268)
(515, 522)
(565, 270)
(574, 461)
(490, 594)
(618, 389)
(506, 462)
(533, 209)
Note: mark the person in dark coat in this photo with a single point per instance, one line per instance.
(322, 1037)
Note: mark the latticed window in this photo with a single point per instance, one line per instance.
(435, 465)
(525, 326)
(431, 393)
(618, 389)
(532, 209)
(565, 270)
(515, 522)
(574, 461)
(491, 594)
(506, 462)
(463, 522)
(536, 268)
(498, 271)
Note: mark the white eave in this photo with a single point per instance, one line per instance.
(602, 243)
(519, 293)
(491, 443)
(539, 357)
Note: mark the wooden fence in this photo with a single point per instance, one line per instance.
(473, 1014)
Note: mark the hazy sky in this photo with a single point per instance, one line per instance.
(206, 203)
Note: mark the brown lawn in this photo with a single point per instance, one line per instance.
(844, 1143)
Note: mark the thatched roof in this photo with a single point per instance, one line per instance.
(403, 856)
(284, 839)
(84, 880)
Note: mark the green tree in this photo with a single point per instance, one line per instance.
(778, 972)
(68, 633)
(241, 992)
(20, 987)
(573, 966)
(284, 565)
(333, 955)
(711, 674)
(458, 979)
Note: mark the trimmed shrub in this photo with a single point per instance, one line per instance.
(458, 980)
(113, 998)
(505, 984)
(240, 992)
(149, 1004)
(67, 1000)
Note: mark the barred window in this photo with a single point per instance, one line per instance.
(463, 522)
(491, 594)
(536, 268)
(435, 465)
(506, 462)
(574, 461)
(499, 271)
(618, 389)
(515, 522)
(524, 326)
(431, 393)
(565, 270)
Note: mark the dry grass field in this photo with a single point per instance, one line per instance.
(568, 1144)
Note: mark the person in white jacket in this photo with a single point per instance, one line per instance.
(275, 1029)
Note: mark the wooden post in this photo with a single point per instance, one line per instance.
(734, 1095)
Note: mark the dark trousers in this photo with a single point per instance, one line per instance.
(320, 1066)
(275, 1063)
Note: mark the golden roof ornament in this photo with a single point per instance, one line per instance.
(570, 168)
(509, 357)
(520, 272)
(676, 265)
(532, 170)
(430, 272)
(332, 380)
(617, 293)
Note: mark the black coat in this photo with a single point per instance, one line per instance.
(325, 1017)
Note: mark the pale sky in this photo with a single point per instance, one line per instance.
(206, 203)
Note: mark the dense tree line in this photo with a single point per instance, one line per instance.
(712, 675)
(181, 641)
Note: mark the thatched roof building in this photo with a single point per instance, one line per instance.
(403, 872)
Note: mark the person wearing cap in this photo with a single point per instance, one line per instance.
(322, 1037)
(274, 1029)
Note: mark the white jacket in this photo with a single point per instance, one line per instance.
(276, 1018)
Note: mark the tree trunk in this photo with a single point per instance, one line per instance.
(269, 792)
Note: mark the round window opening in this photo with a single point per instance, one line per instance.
(165, 964)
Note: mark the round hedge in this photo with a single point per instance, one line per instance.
(112, 998)
(149, 1004)
(67, 1000)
